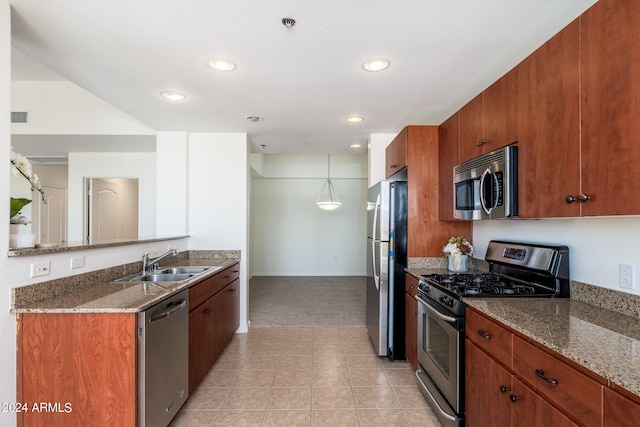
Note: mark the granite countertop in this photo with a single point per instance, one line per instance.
(603, 341)
(96, 293)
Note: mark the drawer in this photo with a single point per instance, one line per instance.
(489, 336)
(200, 292)
(411, 285)
(560, 383)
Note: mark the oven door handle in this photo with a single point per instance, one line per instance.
(434, 311)
(433, 399)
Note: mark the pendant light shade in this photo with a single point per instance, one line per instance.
(328, 199)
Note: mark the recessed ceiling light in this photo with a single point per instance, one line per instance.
(173, 95)
(253, 118)
(356, 146)
(222, 65)
(354, 119)
(376, 65)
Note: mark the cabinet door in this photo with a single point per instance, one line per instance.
(547, 87)
(530, 410)
(448, 158)
(229, 319)
(501, 107)
(411, 329)
(201, 341)
(471, 130)
(620, 411)
(487, 390)
(610, 60)
(396, 154)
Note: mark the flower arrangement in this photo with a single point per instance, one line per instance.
(458, 246)
(22, 166)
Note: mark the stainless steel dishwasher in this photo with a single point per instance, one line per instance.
(163, 360)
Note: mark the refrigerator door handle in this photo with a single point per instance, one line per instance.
(376, 275)
(376, 209)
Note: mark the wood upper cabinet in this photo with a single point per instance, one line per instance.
(427, 234)
(396, 154)
(449, 157)
(472, 135)
(610, 84)
(500, 112)
(411, 320)
(548, 123)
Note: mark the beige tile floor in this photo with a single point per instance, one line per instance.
(292, 377)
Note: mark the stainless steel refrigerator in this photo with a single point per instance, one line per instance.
(386, 261)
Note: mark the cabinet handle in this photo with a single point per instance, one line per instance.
(570, 199)
(393, 166)
(232, 290)
(481, 142)
(514, 398)
(483, 335)
(411, 286)
(540, 373)
(236, 271)
(227, 276)
(584, 198)
(504, 389)
(208, 311)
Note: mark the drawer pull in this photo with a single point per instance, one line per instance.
(504, 389)
(514, 398)
(540, 373)
(227, 276)
(483, 335)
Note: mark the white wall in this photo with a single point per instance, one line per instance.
(171, 160)
(7, 320)
(218, 203)
(290, 235)
(110, 165)
(596, 245)
(377, 154)
(64, 108)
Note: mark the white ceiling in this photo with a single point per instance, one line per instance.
(304, 81)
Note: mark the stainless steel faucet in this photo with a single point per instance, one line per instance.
(147, 263)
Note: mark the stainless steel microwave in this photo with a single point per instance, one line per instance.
(486, 187)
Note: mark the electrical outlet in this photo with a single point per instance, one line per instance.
(77, 262)
(40, 269)
(626, 276)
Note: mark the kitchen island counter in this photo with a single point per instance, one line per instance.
(95, 292)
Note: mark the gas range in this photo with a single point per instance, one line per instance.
(515, 270)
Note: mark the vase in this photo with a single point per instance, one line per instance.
(458, 263)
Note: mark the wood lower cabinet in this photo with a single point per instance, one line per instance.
(79, 369)
(411, 320)
(214, 306)
(620, 411)
(511, 382)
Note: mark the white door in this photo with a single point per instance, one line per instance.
(104, 218)
(53, 215)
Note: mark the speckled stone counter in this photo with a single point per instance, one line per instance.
(601, 340)
(94, 292)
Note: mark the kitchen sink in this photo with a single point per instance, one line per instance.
(183, 270)
(172, 274)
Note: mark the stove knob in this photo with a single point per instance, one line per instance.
(450, 302)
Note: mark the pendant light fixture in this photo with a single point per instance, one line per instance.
(328, 199)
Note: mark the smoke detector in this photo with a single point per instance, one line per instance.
(288, 22)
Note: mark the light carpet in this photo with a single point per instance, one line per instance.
(309, 301)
